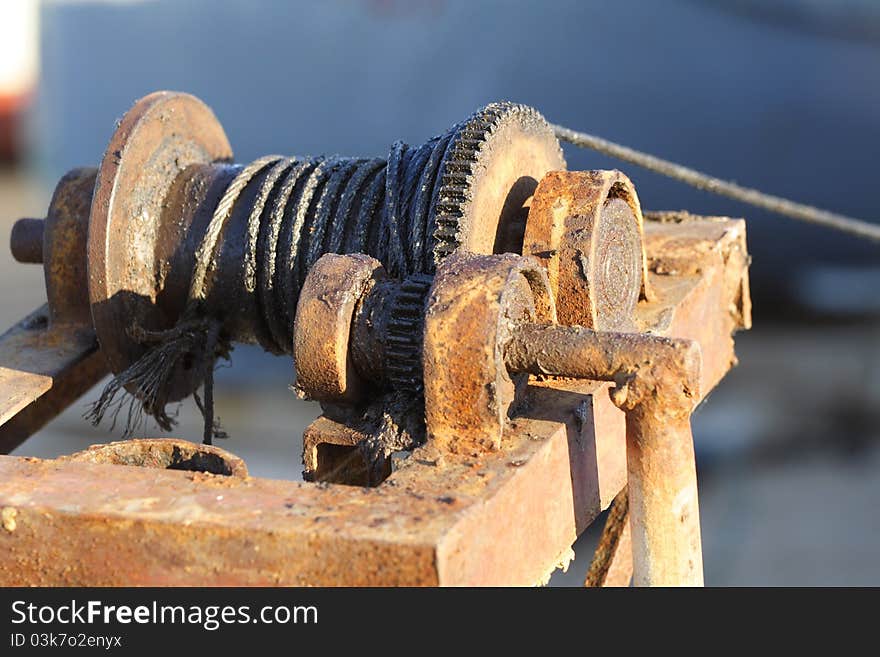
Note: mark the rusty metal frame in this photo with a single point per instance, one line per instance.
(507, 517)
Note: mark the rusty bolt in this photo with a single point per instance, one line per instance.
(26, 240)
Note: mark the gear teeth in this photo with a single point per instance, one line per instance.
(461, 168)
(405, 327)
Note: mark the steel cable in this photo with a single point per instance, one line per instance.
(694, 178)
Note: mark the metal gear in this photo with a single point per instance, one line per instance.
(405, 328)
(492, 167)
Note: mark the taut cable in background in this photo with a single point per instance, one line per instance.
(694, 178)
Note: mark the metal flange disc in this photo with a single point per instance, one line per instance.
(129, 246)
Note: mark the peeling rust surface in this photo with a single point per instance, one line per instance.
(335, 284)
(43, 368)
(644, 367)
(440, 519)
(585, 227)
(133, 526)
(474, 304)
(163, 453)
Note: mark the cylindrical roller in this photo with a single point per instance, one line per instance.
(586, 228)
(180, 234)
(336, 284)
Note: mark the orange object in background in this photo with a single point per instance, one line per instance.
(19, 71)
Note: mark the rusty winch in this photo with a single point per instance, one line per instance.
(499, 346)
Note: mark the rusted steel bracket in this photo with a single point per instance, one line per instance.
(44, 367)
(51, 358)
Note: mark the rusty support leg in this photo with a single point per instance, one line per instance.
(664, 512)
(657, 383)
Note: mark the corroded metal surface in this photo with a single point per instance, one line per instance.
(44, 367)
(188, 253)
(130, 526)
(716, 272)
(444, 517)
(162, 135)
(482, 332)
(336, 283)
(489, 177)
(473, 305)
(26, 240)
(501, 517)
(331, 454)
(175, 245)
(163, 453)
(699, 264)
(657, 386)
(64, 248)
(59, 243)
(586, 228)
(440, 519)
(664, 508)
(51, 358)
